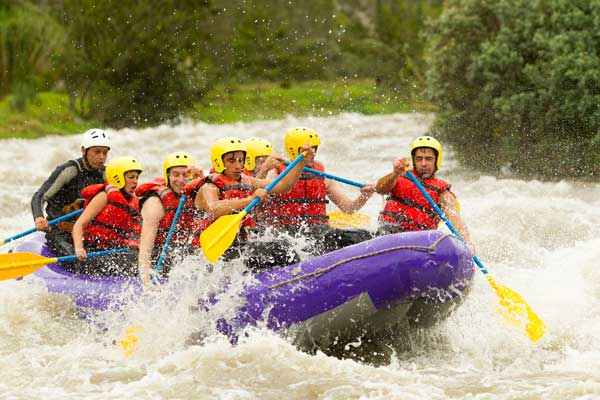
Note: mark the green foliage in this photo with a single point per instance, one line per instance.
(144, 63)
(135, 63)
(51, 113)
(22, 94)
(48, 115)
(29, 39)
(269, 101)
(517, 84)
(400, 25)
(285, 41)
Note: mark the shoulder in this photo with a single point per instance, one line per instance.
(66, 172)
(151, 204)
(318, 165)
(73, 166)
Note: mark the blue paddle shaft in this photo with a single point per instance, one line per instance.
(50, 223)
(94, 254)
(443, 216)
(165, 247)
(277, 179)
(335, 178)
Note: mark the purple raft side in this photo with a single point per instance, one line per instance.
(390, 269)
(89, 291)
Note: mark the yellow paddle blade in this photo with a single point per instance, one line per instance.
(129, 341)
(517, 311)
(339, 219)
(220, 235)
(16, 265)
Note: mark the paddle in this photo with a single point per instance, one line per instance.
(50, 223)
(165, 247)
(128, 343)
(326, 175)
(17, 265)
(220, 234)
(513, 304)
(342, 220)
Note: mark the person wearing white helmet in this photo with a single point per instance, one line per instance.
(406, 209)
(61, 192)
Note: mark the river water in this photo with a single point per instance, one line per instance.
(540, 239)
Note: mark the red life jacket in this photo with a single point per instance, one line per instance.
(304, 204)
(191, 191)
(185, 227)
(228, 189)
(406, 206)
(118, 224)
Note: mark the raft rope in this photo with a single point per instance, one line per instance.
(431, 249)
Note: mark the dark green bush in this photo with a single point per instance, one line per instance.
(29, 40)
(134, 63)
(517, 84)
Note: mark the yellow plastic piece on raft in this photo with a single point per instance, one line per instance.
(339, 219)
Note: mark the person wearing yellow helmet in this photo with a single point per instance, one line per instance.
(110, 220)
(302, 211)
(60, 194)
(406, 209)
(229, 191)
(159, 200)
(260, 158)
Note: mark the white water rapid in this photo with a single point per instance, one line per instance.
(540, 239)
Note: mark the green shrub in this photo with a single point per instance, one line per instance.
(29, 41)
(517, 84)
(134, 64)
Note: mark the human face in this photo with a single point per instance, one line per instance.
(309, 160)
(177, 178)
(95, 156)
(258, 162)
(234, 164)
(424, 160)
(131, 181)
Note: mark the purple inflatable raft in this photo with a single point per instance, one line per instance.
(414, 277)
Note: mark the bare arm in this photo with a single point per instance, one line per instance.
(386, 184)
(208, 200)
(270, 163)
(449, 207)
(89, 213)
(290, 179)
(152, 213)
(343, 202)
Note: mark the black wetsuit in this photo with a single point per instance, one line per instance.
(62, 188)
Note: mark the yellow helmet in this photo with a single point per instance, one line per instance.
(177, 159)
(222, 147)
(256, 147)
(429, 142)
(298, 137)
(116, 169)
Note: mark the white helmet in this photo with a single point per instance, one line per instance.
(95, 137)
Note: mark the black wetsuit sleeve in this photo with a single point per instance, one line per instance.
(59, 178)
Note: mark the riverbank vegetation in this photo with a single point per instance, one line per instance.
(515, 84)
(49, 113)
